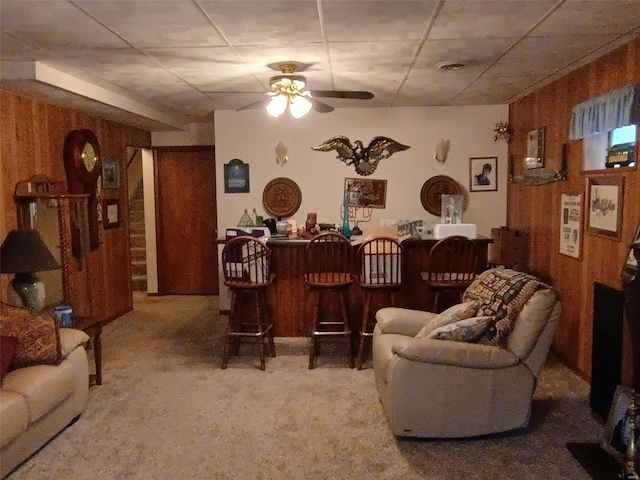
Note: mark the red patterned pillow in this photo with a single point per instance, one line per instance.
(8, 349)
(37, 333)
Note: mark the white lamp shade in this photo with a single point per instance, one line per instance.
(277, 106)
(299, 107)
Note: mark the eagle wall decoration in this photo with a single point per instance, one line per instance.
(365, 160)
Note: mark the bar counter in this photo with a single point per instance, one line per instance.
(291, 313)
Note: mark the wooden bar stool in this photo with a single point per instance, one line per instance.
(328, 274)
(380, 272)
(246, 264)
(452, 267)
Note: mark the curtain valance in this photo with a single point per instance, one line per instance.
(604, 113)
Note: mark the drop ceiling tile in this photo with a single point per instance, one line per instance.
(377, 20)
(546, 55)
(153, 23)
(233, 101)
(577, 17)
(371, 63)
(474, 54)
(488, 19)
(206, 68)
(265, 22)
(264, 60)
(496, 89)
(55, 25)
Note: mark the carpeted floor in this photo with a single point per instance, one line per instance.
(167, 411)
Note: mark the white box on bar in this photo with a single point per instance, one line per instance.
(442, 230)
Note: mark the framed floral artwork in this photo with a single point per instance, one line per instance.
(604, 206)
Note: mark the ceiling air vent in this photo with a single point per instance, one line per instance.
(449, 65)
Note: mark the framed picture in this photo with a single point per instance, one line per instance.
(236, 176)
(570, 215)
(483, 174)
(604, 206)
(366, 193)
(630, 267)
(111, 213)
(535, 148)
(616, 430)
(110, 173)
(451, 208)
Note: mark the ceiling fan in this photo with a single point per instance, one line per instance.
(288, 89)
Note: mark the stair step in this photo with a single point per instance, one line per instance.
(138, 254)
(136, 216)
(139, 268)
(136, 203)
(137, 240)
(139, 284)
(137, 228)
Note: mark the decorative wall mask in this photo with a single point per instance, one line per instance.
(365, 160)
(281, 153)
(442, 150)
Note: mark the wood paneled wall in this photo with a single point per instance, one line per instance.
(32, 136)
(536, 209)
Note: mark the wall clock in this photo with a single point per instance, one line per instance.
(83, 168)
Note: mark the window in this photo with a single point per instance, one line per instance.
(622, 143)
(612, 149)
(622, 135)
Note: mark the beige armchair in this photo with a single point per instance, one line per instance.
(447, 389)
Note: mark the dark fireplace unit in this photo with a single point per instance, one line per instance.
(606, 360)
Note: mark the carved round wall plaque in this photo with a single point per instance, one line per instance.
(434, 188)
(281, 197)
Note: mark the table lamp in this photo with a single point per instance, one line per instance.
(23, 252)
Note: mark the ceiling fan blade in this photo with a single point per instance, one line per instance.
(255, 105)
(320, 107)
(353, 95)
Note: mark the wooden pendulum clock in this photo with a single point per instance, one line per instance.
(83, 168)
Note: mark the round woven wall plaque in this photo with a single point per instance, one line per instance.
(434, 188)
(281, 197)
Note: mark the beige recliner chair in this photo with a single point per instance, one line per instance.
(446, 389)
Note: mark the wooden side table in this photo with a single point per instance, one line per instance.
(94, 330)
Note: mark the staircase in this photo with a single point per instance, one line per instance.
(137, 240)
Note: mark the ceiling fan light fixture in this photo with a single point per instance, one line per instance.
(277, 105)
(299, 107)
(288, 82)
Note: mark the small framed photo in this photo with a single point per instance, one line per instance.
(604, 206)
(616, 431)
(535, 148)
(630, 267)
(451, 208)
(111, 213)
(236, 176)
(110, 173)
(483, 174)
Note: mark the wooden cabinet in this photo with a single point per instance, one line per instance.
(63, 221)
